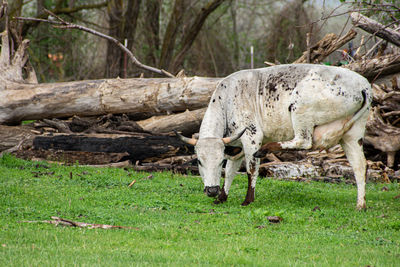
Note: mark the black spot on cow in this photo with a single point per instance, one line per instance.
(253, 142)
(360, 142)
(252, 128)
(292, 106)
(219, 97)
(304, 134)
(271, 87)
(213, 100)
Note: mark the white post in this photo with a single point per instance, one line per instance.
(125, 58)
(252, 57)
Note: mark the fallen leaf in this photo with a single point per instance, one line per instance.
(274, 219)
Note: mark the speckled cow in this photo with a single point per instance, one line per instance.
(299, 106)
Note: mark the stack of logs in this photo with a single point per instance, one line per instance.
(149, 145)
(129, 122)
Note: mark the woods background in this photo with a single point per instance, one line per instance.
(206, 38)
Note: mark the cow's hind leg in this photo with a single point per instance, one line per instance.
(303, 128)
(232, 166)
(353, 147)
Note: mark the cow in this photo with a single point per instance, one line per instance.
(293, 106)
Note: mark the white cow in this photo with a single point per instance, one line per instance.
(296, 106)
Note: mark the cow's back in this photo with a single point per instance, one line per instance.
(265, 97)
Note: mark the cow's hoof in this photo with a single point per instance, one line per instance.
(362, 207)
(245, 203)
(217, 201)
(221, 198)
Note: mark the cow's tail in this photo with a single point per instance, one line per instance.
(364, 108)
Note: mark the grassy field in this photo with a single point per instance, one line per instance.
(177, 225)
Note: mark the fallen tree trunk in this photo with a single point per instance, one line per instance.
(139, 146)
(85, 98)
(187, 122)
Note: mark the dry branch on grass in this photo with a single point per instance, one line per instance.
(65, 222)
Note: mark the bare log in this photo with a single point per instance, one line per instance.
(375, 28)
(85, 98)
(140, 147)
(187, 122)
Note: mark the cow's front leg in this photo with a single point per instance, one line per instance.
(232, 166)
(251, 144)
(252, 166)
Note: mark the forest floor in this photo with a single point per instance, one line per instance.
(171, 222)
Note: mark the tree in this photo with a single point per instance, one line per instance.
(122, 17)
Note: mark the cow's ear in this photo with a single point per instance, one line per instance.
(231, 152)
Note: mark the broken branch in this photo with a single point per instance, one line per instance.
(66, 222)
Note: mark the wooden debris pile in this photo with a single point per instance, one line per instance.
(119, 122)
(383, 127)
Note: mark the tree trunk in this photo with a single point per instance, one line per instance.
(129, 26)
(171, 32)
(192, 32)
(85, 98)
(114, 54)
(122, 24)
(153, 8)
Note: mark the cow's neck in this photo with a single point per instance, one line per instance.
(214, 122)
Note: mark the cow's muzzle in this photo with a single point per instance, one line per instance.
(211, 191)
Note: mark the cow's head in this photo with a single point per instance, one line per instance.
(211, 153)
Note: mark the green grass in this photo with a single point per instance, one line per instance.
(179, 226)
